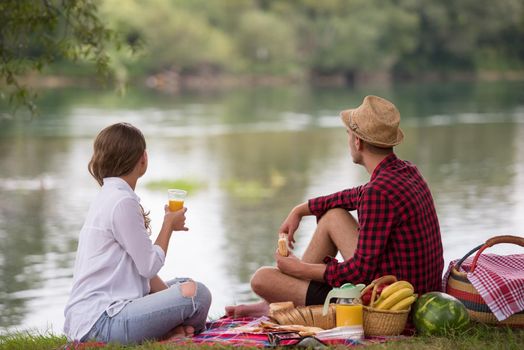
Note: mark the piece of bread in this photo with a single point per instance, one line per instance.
(284, 305)
(282, 244)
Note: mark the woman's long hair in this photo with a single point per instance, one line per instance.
(116, 151)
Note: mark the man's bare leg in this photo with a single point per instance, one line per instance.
(337, 231)
(272, 286)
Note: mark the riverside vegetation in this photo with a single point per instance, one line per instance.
(349, 41)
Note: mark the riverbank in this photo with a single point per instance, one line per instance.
(477, 336)
(170, 81)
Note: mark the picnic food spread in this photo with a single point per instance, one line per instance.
(271, 326)
(383, 305)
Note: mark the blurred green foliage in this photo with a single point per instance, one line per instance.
(349, 37)
(35, 34)
(298, 39)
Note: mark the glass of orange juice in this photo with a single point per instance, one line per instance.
(176, 199)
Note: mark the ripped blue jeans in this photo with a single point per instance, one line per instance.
(154, 316)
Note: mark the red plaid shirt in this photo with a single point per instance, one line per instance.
(399, 232)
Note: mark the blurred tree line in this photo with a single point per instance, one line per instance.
(400, 38)
(348, 39)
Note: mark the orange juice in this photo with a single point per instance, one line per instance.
(348, 315)
(175, 205)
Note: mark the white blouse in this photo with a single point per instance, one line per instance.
(115, 259)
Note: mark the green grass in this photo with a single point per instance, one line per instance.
(25, 340)
(477, 337)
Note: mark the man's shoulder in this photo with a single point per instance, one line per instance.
(400, 177)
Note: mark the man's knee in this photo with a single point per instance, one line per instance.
(261, 279)
(335, 212)
(336, 215)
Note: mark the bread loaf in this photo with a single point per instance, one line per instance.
(284, 305)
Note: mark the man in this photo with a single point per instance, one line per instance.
(397, 231)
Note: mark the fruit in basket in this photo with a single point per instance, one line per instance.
(404, 304)
(392, 288)
(388, 302)
(438, 313)
(393, 294)
(366, 297)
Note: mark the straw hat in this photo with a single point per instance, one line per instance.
(375, 121)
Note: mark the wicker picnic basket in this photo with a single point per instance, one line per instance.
(461, 288)
(306, 316)
(382, 322)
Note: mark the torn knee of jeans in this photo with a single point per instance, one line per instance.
(188, 289)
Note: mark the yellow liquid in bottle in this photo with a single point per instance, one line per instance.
(348, 315)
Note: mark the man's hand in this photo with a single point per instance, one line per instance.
(290, 265)
(294, 267)
(292, 221)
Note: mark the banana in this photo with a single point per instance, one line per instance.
(282, 244)
(394, 298)
(392, 288)
(404, 304)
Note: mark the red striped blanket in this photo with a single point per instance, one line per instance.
(222, 332)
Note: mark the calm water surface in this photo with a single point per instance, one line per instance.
(254, 154)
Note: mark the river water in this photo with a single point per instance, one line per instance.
(248, 156)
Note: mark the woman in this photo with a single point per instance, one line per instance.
(117, 294)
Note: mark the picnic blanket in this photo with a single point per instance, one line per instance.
(229, 331)
(498, 279)
(222, 332)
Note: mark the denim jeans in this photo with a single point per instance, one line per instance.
(154, 315)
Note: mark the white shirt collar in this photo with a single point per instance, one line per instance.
(121, 184)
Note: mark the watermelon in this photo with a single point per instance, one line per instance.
(437, 313)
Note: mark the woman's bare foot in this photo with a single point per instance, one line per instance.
(189, 331)
(181, 332)
(177, 332)
(248, 310)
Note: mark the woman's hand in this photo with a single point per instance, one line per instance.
(175, 220)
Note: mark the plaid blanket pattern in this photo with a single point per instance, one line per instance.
(499, 280)
(221, 332)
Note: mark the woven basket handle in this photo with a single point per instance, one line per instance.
(375, 284)
(505, 239)
(496, 240)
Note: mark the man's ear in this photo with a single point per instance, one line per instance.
(143, 159)
(359, 144)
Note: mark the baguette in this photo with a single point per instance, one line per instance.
(282, 244)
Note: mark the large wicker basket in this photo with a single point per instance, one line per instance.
(382, 322)
(461, 288)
